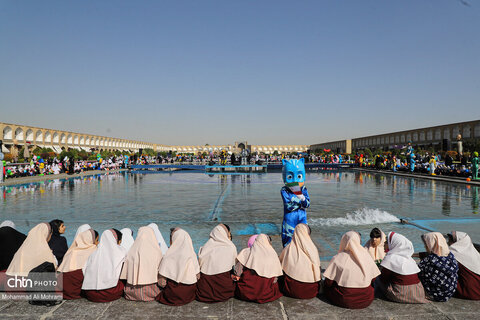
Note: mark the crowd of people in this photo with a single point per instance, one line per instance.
(53, 166)
(115, 265)
(431, 164)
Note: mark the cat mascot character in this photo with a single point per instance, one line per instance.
(295, 197)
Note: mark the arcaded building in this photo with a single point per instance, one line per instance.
(17, 136)
(438, 137)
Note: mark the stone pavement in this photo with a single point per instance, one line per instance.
(284, 308)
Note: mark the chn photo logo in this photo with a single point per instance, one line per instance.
(19, 282)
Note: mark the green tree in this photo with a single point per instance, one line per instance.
(368, 153)
(471, 145)
(149, 152)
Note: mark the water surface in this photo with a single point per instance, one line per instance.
(249, 203)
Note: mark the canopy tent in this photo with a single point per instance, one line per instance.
(4, 149)
(57, 149)
(42, 146)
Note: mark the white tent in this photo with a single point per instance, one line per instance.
(57, 149)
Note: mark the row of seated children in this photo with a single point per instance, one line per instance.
(147, 270)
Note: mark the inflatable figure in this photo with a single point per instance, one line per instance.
(412, 162)
(295, 197)
(409, 152)
(475, 163)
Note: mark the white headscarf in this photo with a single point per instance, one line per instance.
(262, 258)
(465, 252)
(158, 235)
(378, 252)
(127, 238)
(82, 247)
(82, 228)
(399, 256)
(143, 259)
(218, 254)
(435, 243)
(352, 266)
(300, 259)
(180, 264)
(103, 266)
(33, 252)
(8, 223)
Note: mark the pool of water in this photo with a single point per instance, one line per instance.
(249, 203)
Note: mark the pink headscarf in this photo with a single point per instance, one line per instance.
(251, 240)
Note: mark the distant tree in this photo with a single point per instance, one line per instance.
(149, 152)
(471, 144)
(368, 153)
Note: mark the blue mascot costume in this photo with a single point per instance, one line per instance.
(295, 197)
(412, 162)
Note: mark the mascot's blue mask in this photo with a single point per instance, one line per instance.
(293, 171)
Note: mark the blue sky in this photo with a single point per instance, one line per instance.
(269, 72)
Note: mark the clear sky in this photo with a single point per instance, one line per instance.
(269, 72)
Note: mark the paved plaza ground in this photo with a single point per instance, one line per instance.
(283, 308)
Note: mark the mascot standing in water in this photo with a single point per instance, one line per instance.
(295, 197)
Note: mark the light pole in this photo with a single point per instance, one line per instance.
(1, 161)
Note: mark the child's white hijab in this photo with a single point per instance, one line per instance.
(399, 256)
(143, 259)
(8, 223)
(218, 254)
(158, 235)
(127, 238)
(82, 228)
(300, 259)
(262, 258)
(352, 266)
(33, 252)
(82, 247)
(465, 252)
(103, 267)
(180, 263)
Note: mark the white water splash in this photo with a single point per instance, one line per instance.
(364, 216)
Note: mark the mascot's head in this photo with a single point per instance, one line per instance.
(293, 171)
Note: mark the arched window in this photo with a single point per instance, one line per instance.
(7, 133)
(19, 134)
(29, 135)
